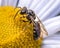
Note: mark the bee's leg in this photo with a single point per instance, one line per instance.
(16, 14)
(22, 11)
(16, 8)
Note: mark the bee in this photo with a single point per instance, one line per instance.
(38, 26)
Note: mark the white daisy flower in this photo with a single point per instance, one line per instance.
(47, 11)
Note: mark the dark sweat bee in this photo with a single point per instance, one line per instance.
(19, 29)
(31, 17)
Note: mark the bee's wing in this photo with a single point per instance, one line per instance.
(43, 30)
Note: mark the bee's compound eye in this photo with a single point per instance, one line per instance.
(31, 13)
(24, 10)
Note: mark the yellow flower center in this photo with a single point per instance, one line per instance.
(14, 33)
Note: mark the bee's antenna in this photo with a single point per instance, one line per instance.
(17, 3)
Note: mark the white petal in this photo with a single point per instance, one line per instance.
(12, 2)
(52, 41)
(51, 46)
(52, 25)
(35, 3)
(51, 20)
(53, 10)
(4, 2)
(46, 7)
(26, 3)
(0, 2)
(39, 6)
(53, 28)
(8, 2)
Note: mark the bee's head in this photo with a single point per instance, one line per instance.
(26, 14)
(29, 13)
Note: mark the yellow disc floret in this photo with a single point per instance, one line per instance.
(14, 33)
